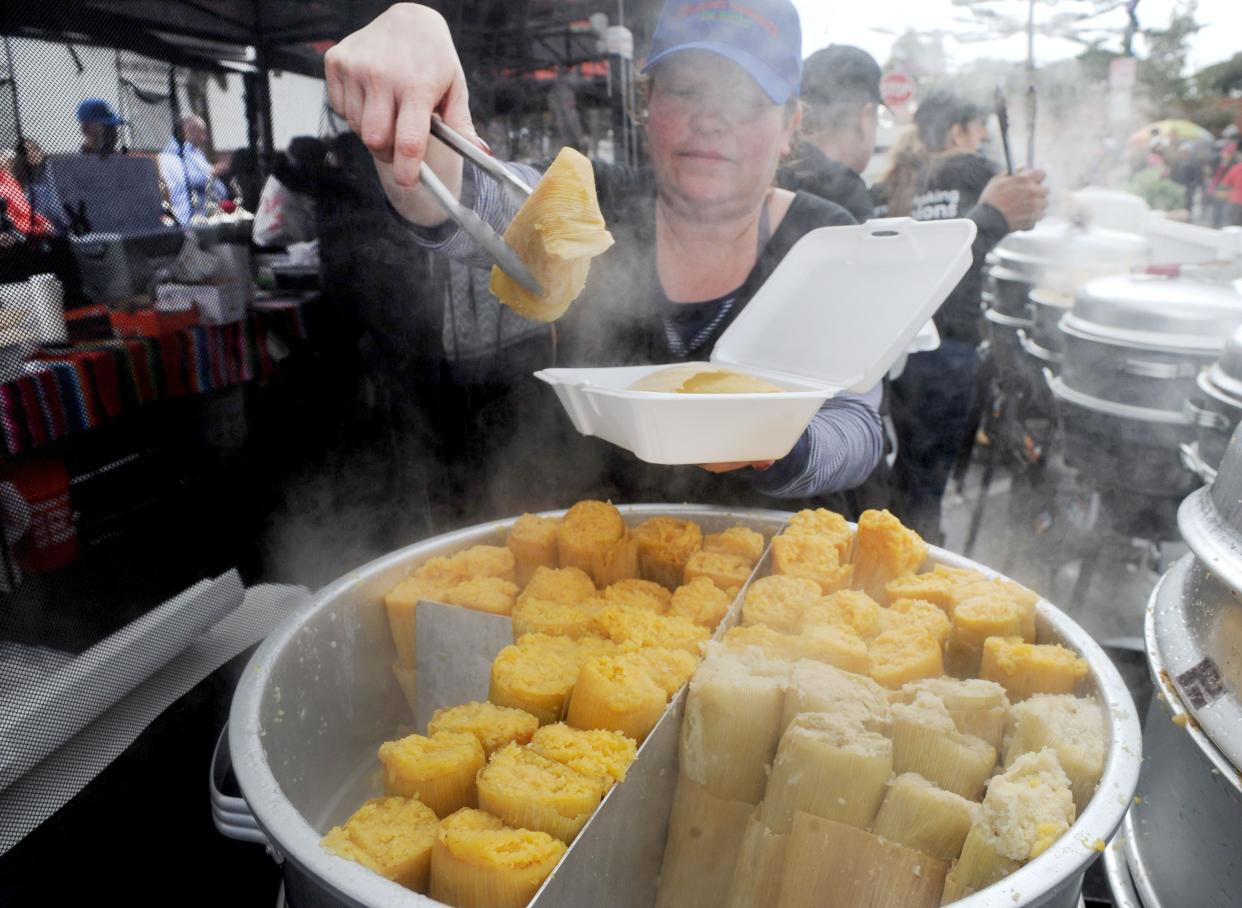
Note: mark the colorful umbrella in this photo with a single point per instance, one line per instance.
(1183, 130)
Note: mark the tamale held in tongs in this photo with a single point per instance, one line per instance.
(475, 227)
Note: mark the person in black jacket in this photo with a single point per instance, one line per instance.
(936, 173)
(840, 104)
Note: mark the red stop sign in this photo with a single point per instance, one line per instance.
(896, 89)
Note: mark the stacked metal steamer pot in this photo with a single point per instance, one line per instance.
(1181, 837)
(1216, 412)
(1032, 276)
(1055, 258)
(1134, 347)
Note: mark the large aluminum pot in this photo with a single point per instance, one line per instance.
(1217, 409)
(1122, 446)
(1009, 289)
(1182, 834)
(1003, 332)
(317, 699)
(1047, 308)
(1142, 339)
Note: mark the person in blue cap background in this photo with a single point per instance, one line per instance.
(696, 234)
(99, 124)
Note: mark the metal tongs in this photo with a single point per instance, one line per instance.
(1002, 120)
(474, 226)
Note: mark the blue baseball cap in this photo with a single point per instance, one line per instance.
(764, 37)
(97, 110)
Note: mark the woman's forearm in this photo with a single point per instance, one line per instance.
(838, 450)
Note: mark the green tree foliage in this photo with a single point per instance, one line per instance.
(1161, 71)
(1224, 78)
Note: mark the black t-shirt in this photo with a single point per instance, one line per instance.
(810, 170)
(954, 184)
(618, 320)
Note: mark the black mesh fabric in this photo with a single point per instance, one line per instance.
(113, 497)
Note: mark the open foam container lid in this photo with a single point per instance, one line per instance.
(846, 302)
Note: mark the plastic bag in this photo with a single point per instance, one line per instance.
(284, 217)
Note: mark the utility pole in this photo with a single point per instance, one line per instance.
(1127, 41)
(1030, 84)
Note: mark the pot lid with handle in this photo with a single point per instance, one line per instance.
(1056, 244)
(1159, 311)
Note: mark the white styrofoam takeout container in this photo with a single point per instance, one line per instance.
(835, 314)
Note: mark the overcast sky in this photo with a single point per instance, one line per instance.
(873, 25)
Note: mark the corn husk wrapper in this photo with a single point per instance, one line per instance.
(392, 836)
(828, 863)
(438, 769)
(665, 544)
(830, 766)
(704, 835)
(757, 878)
(732, 724)
(617, 696)
(478, 862)
(921, 816)
(556, 233)
(532, 540)
(528, 791)
(926, 741)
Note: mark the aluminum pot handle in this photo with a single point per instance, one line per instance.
(1145, 369)
(232, 816)
(1195, 464)
(1033, 349)
(1201, 416)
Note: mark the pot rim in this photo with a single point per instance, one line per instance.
(1169, 697)
(1207, 535)
(1184, 344)
(1064, 392)
(1221, 386)
(1005, 320)
(289, 831)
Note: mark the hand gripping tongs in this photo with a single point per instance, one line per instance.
(473, 225)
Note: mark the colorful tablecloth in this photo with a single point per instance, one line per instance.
(71, 391)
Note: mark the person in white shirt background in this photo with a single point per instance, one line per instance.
(192, 180)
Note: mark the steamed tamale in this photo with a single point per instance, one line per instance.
(557, 232)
